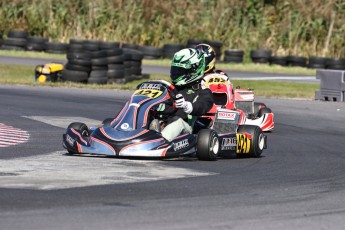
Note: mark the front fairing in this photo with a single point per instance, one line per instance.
(128, 133)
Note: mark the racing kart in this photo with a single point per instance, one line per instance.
(226, 96)
(219, 134)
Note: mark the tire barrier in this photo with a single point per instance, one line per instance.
(278, 60)
(151, 52)
(56, 47)
(170, 49)
(82, 61)
(233, 56)
(260, 56)
(297, 61)
(16, 40)
(36, 44)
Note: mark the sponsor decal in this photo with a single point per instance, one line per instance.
(70, 140)
(226, 115)
(181, 144)
(151, 86)
(243, 143)
(229, 143)
(125, 126)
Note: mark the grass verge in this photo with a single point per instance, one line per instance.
(24, 75)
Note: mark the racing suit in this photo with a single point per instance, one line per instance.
(181, 120)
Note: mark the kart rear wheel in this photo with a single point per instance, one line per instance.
(257, 143)
(207, 145)
(84, 130)
(263, 111)
(257, 107)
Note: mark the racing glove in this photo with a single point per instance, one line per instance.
(181, 103)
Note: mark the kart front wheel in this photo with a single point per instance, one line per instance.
(207, 145)
(80, 127)
(84, 130)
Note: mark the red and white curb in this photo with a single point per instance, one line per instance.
(10, 136)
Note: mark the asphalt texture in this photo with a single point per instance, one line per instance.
(298, 183)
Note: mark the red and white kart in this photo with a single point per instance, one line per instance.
(242, 100)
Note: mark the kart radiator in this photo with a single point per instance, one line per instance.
(246, 106)
(225, 125)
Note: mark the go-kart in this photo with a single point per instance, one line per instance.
(128, 134)
(226, 96)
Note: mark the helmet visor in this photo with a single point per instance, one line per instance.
(176, 72)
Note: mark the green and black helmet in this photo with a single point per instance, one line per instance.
(187, 66)
(210, 56)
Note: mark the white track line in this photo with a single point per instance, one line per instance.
(59, 171)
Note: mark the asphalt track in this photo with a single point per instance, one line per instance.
(298, 183)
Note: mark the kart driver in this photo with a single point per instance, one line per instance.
(192, 100)
(210, 59)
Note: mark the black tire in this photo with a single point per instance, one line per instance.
(170, 49)
(99, 67)
(75, 47)
(297, 61)
(81, 127)
(257, 143)
(99, 54)
(335, 62)
(133, 55)
(264, 111)
(56, 47)
(98, 74)
(109, 45)
(8, 47)
(83, 62)
(260, 53)
(79, 55)
(74, 76)
(278, 60)
(21, 42)
(116, 59)
(76, 41)
(234, 52)
(38, 40)
(18, 34)
(258, 106)
(207, 145)
(116, 66)
(152, 51)
(91, 45)
(99, 61)
(77, 67)
(114, 52)
(116, 73)
(129, 46)
(35, 47)
(260, 56)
